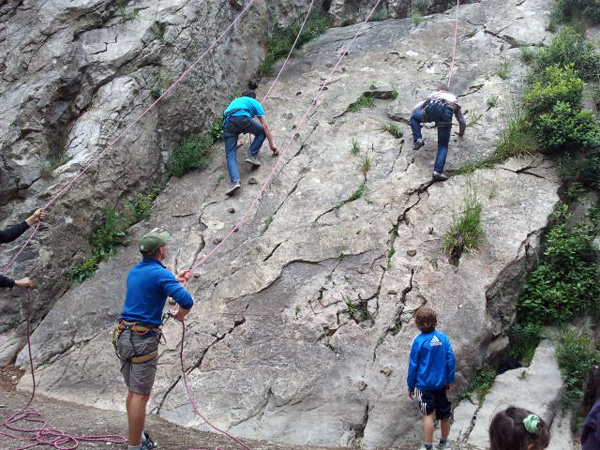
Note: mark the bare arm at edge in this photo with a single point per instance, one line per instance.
(265, 125)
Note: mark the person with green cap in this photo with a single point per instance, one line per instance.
(137, 335)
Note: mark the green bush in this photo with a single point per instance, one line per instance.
(568, 47)
(393, 129)
(575, 355)
(518, 139)
(282, 39)
(557, 84)
(482, 382)
(466, 231)
(567, 127)
(364, 101)
(110, 234)
(104, 241)
(570, 11)
(566, 282)
(193, 154)
(140, 207)
(524, 339)
(216, 130)
(586, 170)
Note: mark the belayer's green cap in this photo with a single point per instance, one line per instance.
(152, 241)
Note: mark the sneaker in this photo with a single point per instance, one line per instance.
(252, 160)
(444, 446)
(418, 144)
(234, 187)
(439, 176)
(426, 448)
(148, 443)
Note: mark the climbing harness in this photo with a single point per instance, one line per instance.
(139, 329)
(435, 109)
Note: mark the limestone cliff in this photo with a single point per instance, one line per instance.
(303, 319)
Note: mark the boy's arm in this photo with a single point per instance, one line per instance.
(413, 365)
(450, 363)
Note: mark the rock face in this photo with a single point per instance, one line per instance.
(75, 76)
(303, 320)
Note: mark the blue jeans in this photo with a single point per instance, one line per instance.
(232, 128)
(435, 112)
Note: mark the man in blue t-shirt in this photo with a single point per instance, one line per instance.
(430, 375)
(149, 283)
(238, 119)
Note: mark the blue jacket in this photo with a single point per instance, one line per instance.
(149, 284)
(432, 363)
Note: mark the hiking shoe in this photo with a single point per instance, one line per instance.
(444, 446)
(252, 160)
(234, 187)
(148, 443)
(418, 144)
(439, 176)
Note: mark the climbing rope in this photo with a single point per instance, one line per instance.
(264, 186)
(112, 143)
(191, 397)
(266, 96)
(42, 435)
(290, 139)
(39, 433)
(455, 43)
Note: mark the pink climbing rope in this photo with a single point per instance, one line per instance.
(191, 397)
(264, 186)
(14, 258)
(290, 140)
(143, 114)
(266, 96)
(455, 43)
(41, 434)
(112, 143)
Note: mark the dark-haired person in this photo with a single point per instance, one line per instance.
(438, 107)
(137, 335)
(518, 429)
(12, 233)
(590, 433)
(238, 118)
(430, 374)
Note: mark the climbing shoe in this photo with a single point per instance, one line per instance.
(147, 443)
(234, 187)
(439, 176)
(418, 144)
(252, 160)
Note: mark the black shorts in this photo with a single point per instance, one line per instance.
(430, 401)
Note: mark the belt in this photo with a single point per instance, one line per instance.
(140, 329)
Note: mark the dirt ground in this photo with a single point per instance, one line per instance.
(78, 420)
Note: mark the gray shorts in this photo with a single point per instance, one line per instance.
(139, 377)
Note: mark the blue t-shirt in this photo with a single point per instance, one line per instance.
(149, 284)
(432, 363)
(249, 107)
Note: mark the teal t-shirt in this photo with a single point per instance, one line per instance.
(248, 107)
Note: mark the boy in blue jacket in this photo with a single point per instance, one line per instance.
(430, 375)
